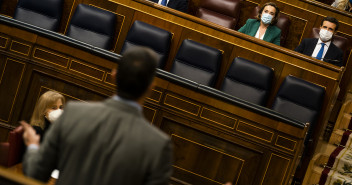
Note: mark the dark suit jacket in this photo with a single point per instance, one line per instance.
(180, 5)
(272, 33)
(104, 143)
(307, 47)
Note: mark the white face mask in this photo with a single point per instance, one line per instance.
(325, 35)
(54, 115)
(266, 18)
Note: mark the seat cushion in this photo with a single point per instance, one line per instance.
(248, 80)
(223, 20)
(222, 12)
(197, 62)
(143, 34)
(244, 91)
(42, 13)
(294, 111)
(93, 26)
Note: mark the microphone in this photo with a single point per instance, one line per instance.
(332, 61)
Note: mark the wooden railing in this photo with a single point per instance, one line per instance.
(9, 177)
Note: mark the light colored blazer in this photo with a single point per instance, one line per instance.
(272, 33)
(102, 143)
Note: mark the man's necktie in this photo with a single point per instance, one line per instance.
(321, 51)
(163, 2)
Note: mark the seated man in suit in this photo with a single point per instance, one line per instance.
(108, 142)
(323, 48)
(180, 5)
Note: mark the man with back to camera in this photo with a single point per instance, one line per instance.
(107, 142)
(313, 46)
(180, 5)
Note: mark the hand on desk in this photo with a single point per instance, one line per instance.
(29, 134)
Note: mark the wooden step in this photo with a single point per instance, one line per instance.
(336, 137)
(343, 122)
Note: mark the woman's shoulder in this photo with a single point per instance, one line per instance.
(275, 29)
(252, 20)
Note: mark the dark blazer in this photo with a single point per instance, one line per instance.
(102, 143)
(307, 47)
(272, 33)
(40, 131)
(180, 5)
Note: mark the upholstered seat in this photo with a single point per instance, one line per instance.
(283, 22)
(300, 100)
(197, 62)
(143, 34)
(11, 152)
(248, 80)
(42, 13)
(222, 12)
(340, 41)
(93, 26)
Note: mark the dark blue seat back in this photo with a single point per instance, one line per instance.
(248, 80)
(300, 100)
(143, 34)
(42, 13)
(197, 62)
(93, 26)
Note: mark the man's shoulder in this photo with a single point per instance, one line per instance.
(310, 40)
(80, 106)
(154, 132)
(337, 49)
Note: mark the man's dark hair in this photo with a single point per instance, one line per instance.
(332, 20)
(135, 72)
(275, 19)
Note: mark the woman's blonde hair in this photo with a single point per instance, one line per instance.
(45, 101)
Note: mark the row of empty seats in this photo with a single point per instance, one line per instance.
(247, 80)
(200, 63)
(88, 24)
(95, 26)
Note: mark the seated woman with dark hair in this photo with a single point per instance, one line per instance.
(263, 27)
(47, 110)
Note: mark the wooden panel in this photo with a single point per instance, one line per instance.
(19, 47)
(203, 153)
(149, 113)
(276, 170)
(254, 131)
(285, 143)
(296, 30)
(10, 81)
(218, 117)
(109, 79)
(201, 158)
(155, 95)
(50, 57)
(3, 41)
(87, 70)
(181, 104)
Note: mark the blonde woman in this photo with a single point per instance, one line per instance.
(47, 110)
